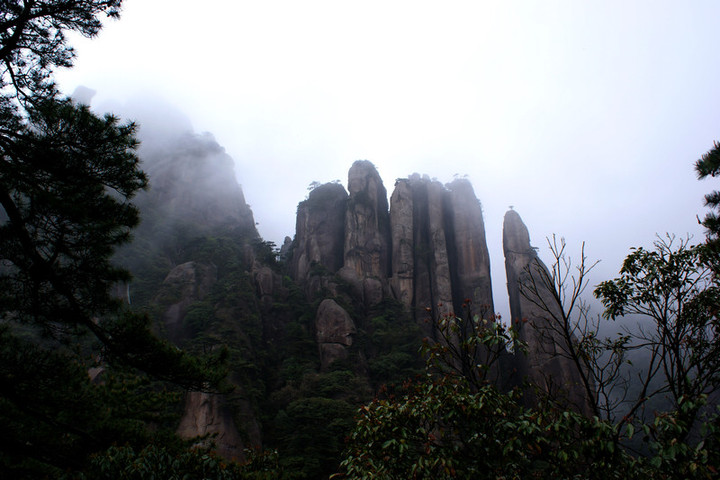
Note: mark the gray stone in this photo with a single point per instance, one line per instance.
(544, 366)
(367, 222)
(334, 332)
(319, 232)
(403, 246)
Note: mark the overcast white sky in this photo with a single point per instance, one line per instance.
(585, 116)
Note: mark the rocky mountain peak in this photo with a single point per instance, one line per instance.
(538, 317)
(367, 223)
(319, 231)
(516, 238)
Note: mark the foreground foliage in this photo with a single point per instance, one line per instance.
(441, 428)
(454, 422)
(159, 462)
(77, 372)
(438, 428)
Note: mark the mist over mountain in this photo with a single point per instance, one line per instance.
(315, 327)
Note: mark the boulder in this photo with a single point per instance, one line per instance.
(334, 332)
(207, 414)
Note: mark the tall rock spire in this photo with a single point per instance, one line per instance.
(468, 252)
(319, 231)
(535, 311)
(439, 253)
(403, 246)
(367, 222)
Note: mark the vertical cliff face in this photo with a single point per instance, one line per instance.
(185, 284)
(471, 260)
(196, 241)
(366, 279)
(427, 252)
(367, 223)
(432, 289)
(536, 312)
(440, 256)
(402, 241)
(319, 231)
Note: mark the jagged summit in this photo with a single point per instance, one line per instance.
(429, 252)
(359, 286)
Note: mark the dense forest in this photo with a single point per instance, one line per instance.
(148, 331)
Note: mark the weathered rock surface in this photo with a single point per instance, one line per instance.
(470, 260)
(206, 414)
(402, 241)
(334, 332)
(367, 222)
(265, 282)
(545, 364)
(319, 231)
(428, 250)
(439, 253)
(433, 287)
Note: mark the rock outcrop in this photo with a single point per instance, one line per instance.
(367, 223)
(335, 330)
(207, 415)
(433, 288)
(319, 231)
(362, 272)
(537, 315)
(428, 251)
(469, 252)
(402, 241)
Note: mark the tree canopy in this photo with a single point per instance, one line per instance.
(709, 166)
(78, 372)
(33, 41)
